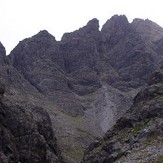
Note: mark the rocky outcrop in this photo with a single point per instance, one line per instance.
(26, 134)
(137, 136)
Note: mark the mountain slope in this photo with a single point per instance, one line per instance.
(137, 136)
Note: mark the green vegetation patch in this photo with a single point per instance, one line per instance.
(159, 159)
(76, 154)
(139, 126)
(97, 149)
(90, 96)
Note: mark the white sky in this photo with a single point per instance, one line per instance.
(20, 19)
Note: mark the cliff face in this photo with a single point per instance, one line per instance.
(85, 82)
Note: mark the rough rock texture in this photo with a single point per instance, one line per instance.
(26, 134)
(128, 51)
(137, 136)
(86, 81)
(149, 30)
(41, 63)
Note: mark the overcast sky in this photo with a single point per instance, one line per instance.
(20, 19)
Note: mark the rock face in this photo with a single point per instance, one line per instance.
(137, 136)
(26, 134)
(85, 83)
(129, 51)
(40, 61)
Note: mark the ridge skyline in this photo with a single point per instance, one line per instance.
(101, 24)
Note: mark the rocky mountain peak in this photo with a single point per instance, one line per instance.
(146, 22)
(44, 34)
(148, 29)
(119, 19)
(115, 23)
(41, 40)
(91, 29)
(115, 29)
(93, 24)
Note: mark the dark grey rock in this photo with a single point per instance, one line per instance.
(26, 134)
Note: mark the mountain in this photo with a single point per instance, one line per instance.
(65, 73)
(77, 88)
